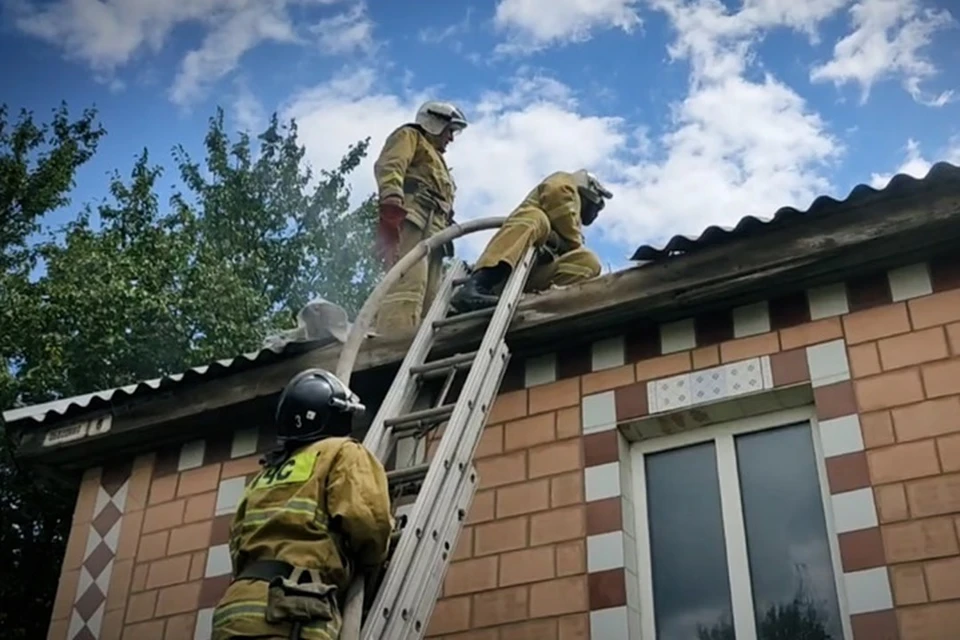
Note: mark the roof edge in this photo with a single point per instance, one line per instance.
(901, 184)
(864, 240)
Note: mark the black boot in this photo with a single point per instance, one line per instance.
(477, 292)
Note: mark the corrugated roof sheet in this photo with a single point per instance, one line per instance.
(41, 412)
(900, 185)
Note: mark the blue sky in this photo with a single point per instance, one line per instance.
(696, 112)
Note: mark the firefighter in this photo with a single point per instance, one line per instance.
(416, 193)
(317, 513)
(551, 218)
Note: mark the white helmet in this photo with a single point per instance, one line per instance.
(590, 187)
(435, 116)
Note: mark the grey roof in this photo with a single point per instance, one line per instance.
(900, 185)
(63, 406)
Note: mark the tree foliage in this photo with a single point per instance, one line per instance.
(38, 164)
(797, 619)
(136, 287)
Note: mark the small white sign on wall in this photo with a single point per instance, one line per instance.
(65, 434)
(70, 433)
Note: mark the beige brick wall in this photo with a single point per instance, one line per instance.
(521, 567)
(905, 359)
(900, 332)
(168, 566)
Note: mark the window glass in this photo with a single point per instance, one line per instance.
(691, 589)
(794, 591)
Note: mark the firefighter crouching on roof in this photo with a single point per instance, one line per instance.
(316, 514)
(551, 218)
(416, 193)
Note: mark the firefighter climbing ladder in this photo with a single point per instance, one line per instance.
(410, 587)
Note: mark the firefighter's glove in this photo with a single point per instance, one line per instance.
(557, 245)
(392, 215)
(550, 249)
(544, 255)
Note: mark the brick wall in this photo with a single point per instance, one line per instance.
(147, 556)
(882, 355)
(520, 565)
(548, 549)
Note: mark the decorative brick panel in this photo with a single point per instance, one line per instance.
(103, 537)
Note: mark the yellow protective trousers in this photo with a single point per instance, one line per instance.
(242, 614)
(405, 302)
(530, 226)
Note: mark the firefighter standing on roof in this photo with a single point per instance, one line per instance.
(416, 193)
(551, 218)
(316, 514)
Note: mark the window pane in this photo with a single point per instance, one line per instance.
(691, 589)
(794, 593)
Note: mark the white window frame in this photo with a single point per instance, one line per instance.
(722, 435)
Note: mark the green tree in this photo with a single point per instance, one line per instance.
(157, 287)
(288, 236)
(797, 619)
(38, 165)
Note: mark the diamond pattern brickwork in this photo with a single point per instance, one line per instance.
(86, 618)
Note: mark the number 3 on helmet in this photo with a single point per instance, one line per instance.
(315, 404)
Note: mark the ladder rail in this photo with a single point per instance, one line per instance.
(400, 389)
(458, 439)
(377, 439)
(438, 569)
(459, 473)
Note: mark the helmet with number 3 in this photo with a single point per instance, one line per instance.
(315, 404)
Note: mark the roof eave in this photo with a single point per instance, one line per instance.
(856, 240)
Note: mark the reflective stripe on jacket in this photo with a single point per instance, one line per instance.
(325, 507)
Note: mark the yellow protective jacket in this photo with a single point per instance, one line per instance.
(410, 167)
(557, 197)
(326, 507)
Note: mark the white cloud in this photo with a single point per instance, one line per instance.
(915, 164)
(887, 41)
(717, 43)
(347, 32)
(734, 145)
(533, 24)
(226, 43)
(338, 113)
(248, 111)
(452, 33)
(108, 34)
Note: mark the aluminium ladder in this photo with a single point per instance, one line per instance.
(405, 599)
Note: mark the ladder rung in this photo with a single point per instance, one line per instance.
(408, 474)
(444, 364)
(464, 317)
(435, 414)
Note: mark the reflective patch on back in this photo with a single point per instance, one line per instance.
(296, 469)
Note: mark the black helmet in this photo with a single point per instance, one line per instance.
(315, 404)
